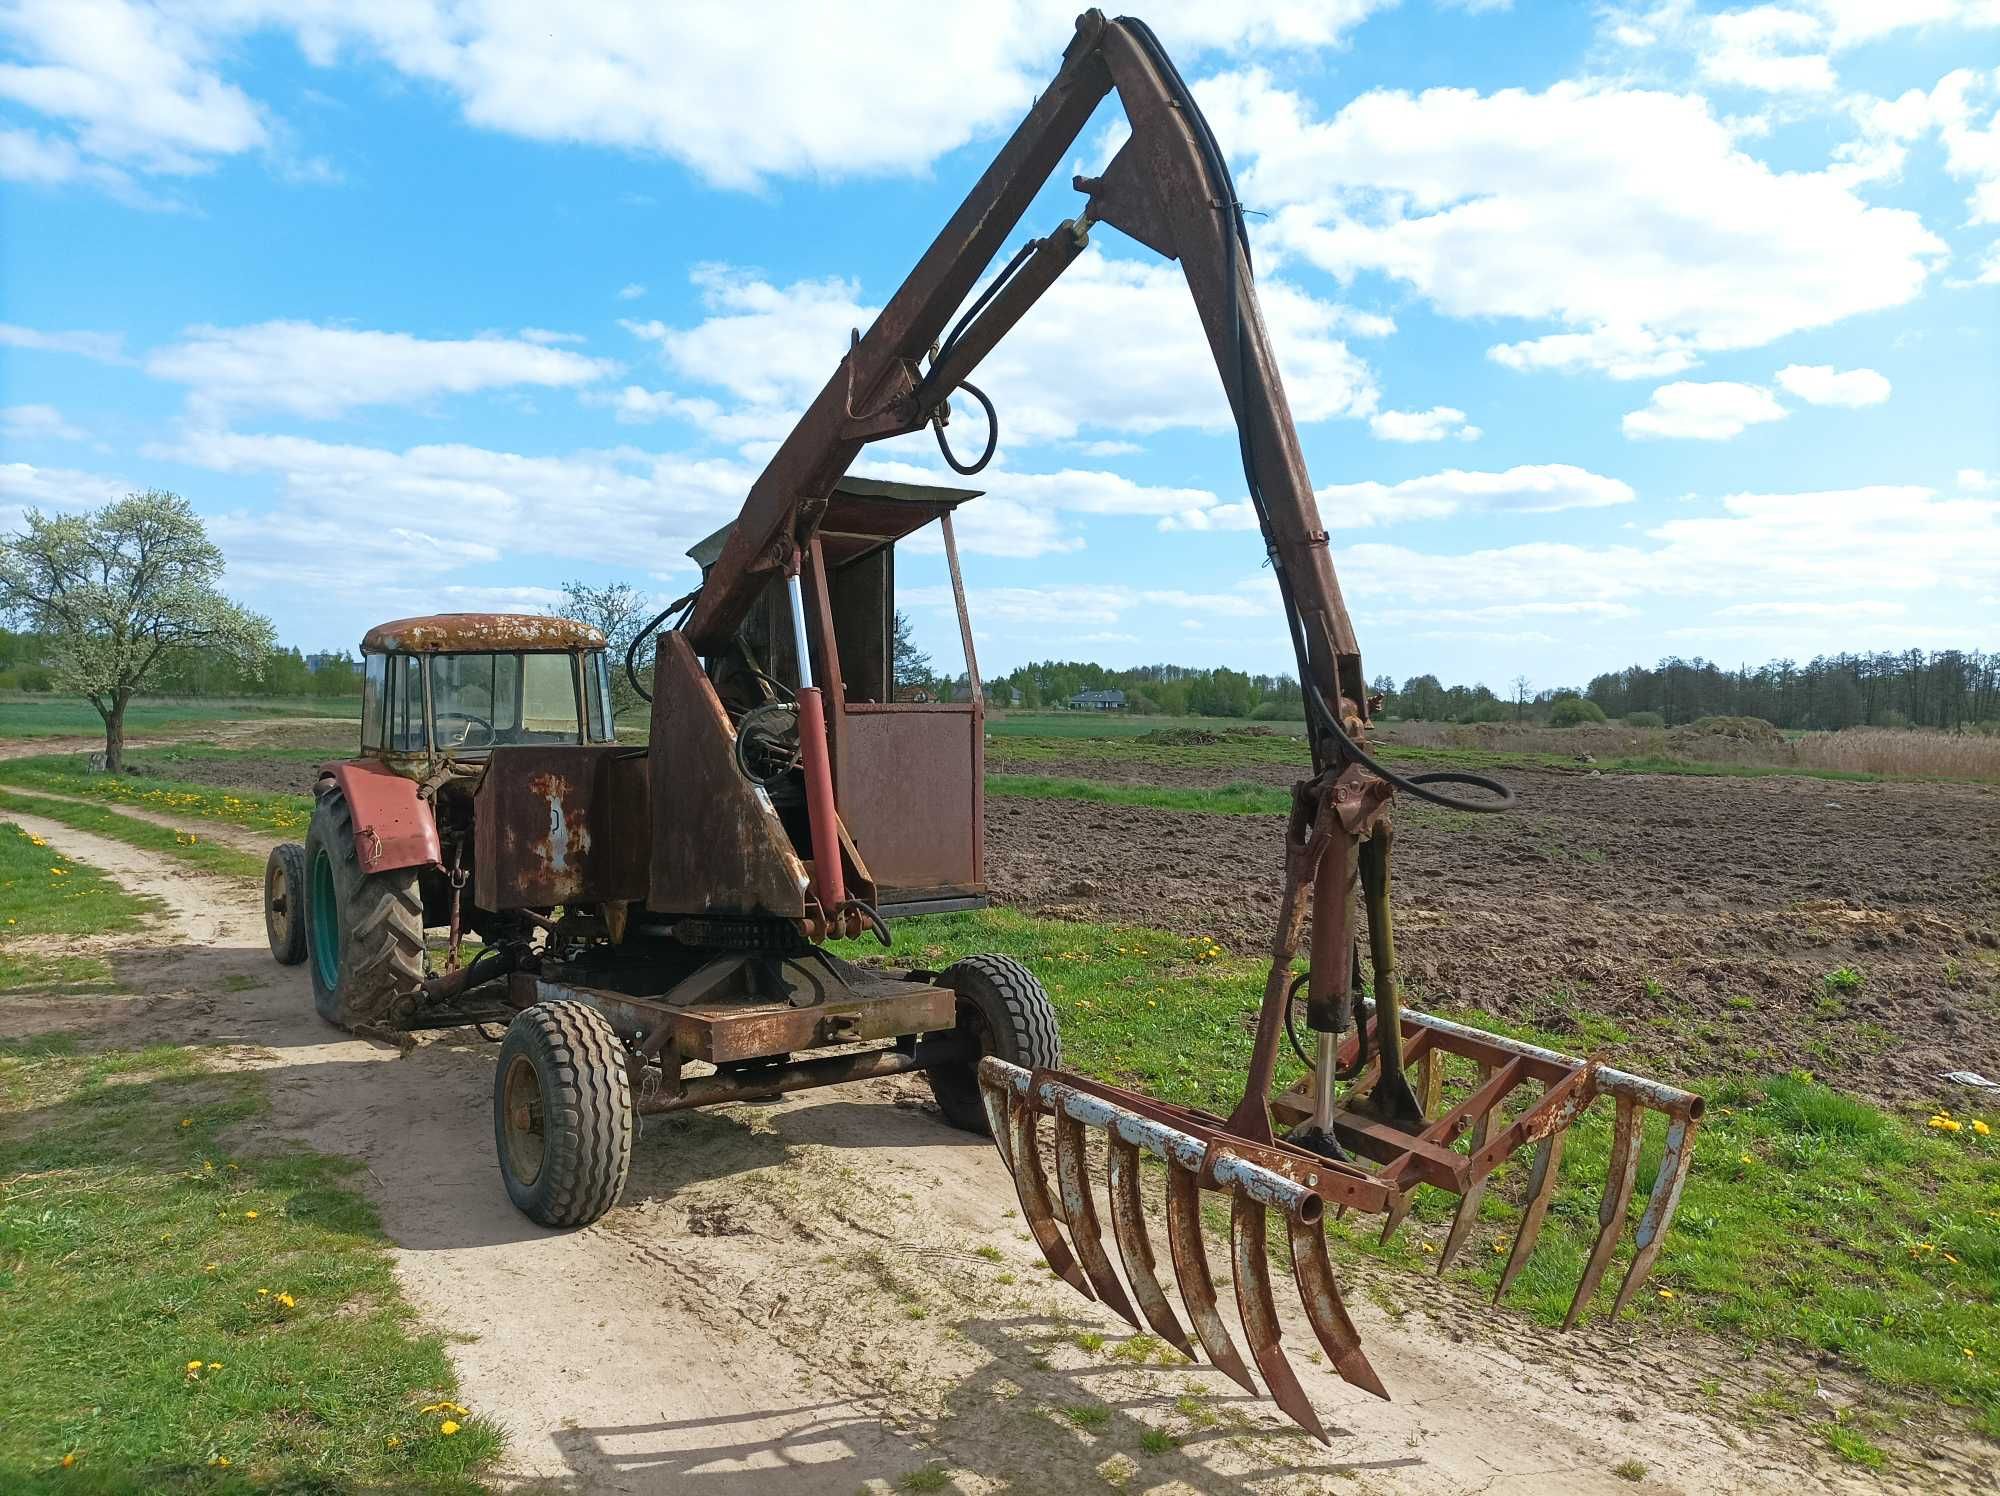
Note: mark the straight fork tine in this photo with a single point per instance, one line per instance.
(1541, 1190)
(1128, 1228)
(1475, 1193)
(1620, 1177)
(1327, 1313)
(1080, 1211)
(1260, 1314)
(1191, 1270)
(1033, 1189)
(1666, 1198)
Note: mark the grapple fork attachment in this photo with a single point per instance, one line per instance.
(1199, 1155)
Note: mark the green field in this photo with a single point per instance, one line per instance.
(29, 716)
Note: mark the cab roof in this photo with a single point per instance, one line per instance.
(479, 633)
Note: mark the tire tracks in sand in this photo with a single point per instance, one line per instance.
(789, 1297)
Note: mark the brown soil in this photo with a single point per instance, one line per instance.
(788, 1298)
(1701, 914)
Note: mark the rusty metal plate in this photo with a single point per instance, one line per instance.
(559, 825)
(909, 794)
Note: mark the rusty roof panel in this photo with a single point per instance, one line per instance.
(472, 633)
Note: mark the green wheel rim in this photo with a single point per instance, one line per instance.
(324, 913)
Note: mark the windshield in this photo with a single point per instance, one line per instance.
(481, 700)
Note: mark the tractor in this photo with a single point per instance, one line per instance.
(662, 926)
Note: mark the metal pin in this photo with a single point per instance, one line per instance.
(1080, 1211)
(1327, 1313)
(1135, 1250)
(1619, 1179)
(1666, 1198)
(1260, 1314)
(1191, 1271)
(1541, 1190)
(1033, 1189)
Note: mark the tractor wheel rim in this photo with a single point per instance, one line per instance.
(521, 1114)
(324, 921)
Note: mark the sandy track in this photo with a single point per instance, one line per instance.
(788, 1298)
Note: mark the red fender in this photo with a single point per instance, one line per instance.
(393, 826)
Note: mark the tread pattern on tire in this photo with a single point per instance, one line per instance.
(382, 918)
(1020, 1019)
(587, 1112)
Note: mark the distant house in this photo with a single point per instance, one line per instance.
(1097, 701)
(318, 662)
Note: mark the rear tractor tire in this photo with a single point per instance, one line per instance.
(364, 931)
(285, 903)
(562, 1114)
(1003, 1011)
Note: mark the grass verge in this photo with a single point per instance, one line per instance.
(45, 894)
(183, 847)
(72, 716)
(1239, 799)
(1809, 1220)
(182, 1320)
(283, 815)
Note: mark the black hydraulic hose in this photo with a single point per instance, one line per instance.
(632, 651)
(992, 435)
(1217, 166)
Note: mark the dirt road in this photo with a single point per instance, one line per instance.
(790, 1297)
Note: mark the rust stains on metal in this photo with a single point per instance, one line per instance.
(479, 633)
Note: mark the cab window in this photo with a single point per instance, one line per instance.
(405, 705)
(480, 700)
(374, 684)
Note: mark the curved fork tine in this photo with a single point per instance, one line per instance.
(1035, 1205)
(1260, 1315)
(1128, 1228)
(1326, 1312)
(1191, 1269)
(1541, 1190)
(1073, 1178)
(995, 1098)
(1619, 1179)
(1666, 1198)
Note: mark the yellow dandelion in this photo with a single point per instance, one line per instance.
(194, 1367)
(215, 1366)
(1977, 1126)
(1970, 1353)
(287, 1301)
(69, 1459)
(448, 1428)
(1748, 1159)
(209, 1267)
(187, 1121)
(393, 1442)
(1943, 1123)
(1668, 1293)
(249, 1215)
(263, 1293)
(221, 1462)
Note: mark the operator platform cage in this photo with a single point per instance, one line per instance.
(908, 768)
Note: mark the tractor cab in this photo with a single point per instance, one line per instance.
(460, 684)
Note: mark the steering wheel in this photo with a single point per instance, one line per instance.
(465, 733)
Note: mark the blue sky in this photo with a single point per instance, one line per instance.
(1613, 332)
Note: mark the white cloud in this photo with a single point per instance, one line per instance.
(1530, 489)
(1630, 216)
(1768, 47)
(26, 487)
(324, 371)
(37, 423)
(1432, 425)
(799, 91)
(1712, 412)
(1964, 109)
(1822, 384)
(1075, 363)
(1622, 353)
(605, 506)
(547, 338)
(104, 347)
(137, 85)
(631, 292)
(1976, 480)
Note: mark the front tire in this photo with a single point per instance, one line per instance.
(1004, 1011)
(285, 903)
(364, 932)
(562, 1114)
